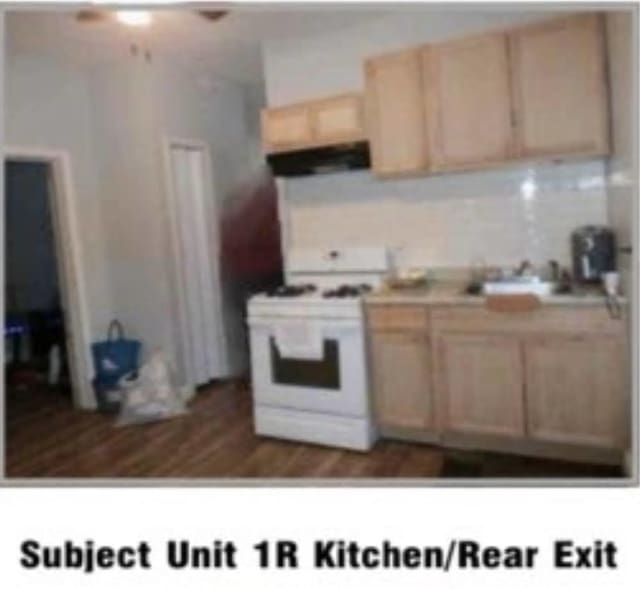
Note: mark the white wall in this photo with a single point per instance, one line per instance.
(138, 105)
(214, 111)
(47, 105)
(130, 183)
(255, 102)
(622, 35)
(622, 167)
(330, 63)
(112, 119)
(502, 215)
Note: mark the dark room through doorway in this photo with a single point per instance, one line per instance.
(35, 339)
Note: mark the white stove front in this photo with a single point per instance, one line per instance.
(322, 400)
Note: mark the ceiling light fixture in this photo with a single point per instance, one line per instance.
(134, 18)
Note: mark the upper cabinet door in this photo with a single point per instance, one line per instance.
(395, 113)
(559, 87)
(468, 102)
(337, 119)
(286, 127)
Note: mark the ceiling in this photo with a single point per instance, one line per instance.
(229, 47)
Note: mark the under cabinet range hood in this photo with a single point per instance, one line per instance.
(320, 160)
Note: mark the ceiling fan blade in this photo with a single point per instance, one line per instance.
(92, 16)
(213, 15)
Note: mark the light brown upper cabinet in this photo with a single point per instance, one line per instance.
(326, 121)
(559, 87)
(286, 127)
(468, 102)
(338, 118)
(537, 91)
(395, 109)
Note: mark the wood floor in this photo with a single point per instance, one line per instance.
(46, 437)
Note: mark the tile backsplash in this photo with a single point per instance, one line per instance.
(499, 217)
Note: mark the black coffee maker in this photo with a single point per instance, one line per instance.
(593, 250)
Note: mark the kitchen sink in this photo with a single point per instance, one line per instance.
(520, 285)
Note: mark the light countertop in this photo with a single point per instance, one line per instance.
(452, 293)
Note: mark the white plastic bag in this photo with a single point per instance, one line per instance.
(151, 396)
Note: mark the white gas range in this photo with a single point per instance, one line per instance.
(308, 349)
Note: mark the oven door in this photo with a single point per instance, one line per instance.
(336, 383)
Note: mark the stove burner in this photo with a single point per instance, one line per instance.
(346, 291)
(291, 290)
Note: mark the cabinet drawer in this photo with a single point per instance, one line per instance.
(389, 317)
(547, 319)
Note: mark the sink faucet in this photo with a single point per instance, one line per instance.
(524, 269)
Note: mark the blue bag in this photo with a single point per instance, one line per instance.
(115, 356)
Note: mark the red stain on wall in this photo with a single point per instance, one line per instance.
(250, 232)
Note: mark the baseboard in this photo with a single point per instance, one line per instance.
(535, 448)
(489, 443)
(187, 393)
(627, 464)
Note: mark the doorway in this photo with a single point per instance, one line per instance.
(47, 332)
(35, 336)
(193, 222)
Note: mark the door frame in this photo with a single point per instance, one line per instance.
(180, 298)
(70, 254)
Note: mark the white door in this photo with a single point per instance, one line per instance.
(196, 256)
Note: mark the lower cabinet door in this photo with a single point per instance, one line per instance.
(575, 390)
(401, 379)
(481, 384)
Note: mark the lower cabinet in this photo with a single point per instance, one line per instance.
(553, 382)
(401, 379)
(480, 384)
(576, 389)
